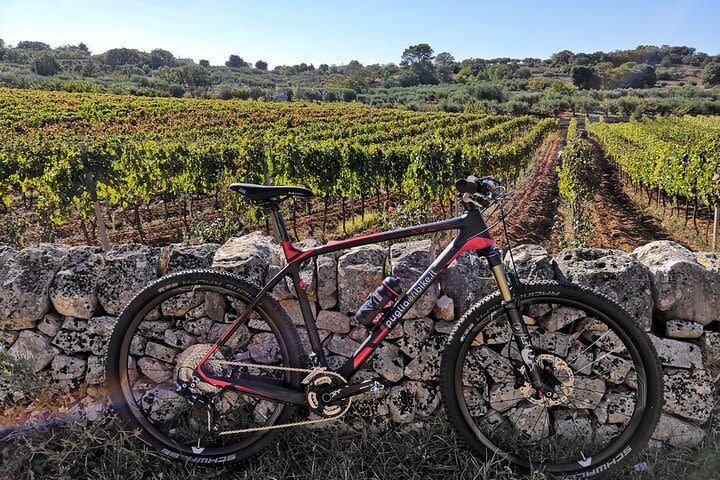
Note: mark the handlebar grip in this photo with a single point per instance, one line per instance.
(467, 185)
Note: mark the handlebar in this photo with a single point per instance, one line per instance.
(485, 189)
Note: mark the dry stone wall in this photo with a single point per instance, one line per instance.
(59, 305)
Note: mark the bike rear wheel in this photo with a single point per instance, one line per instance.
(606, 383)
(160, 338)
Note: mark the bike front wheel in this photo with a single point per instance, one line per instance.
(603, 371)
(164, 333)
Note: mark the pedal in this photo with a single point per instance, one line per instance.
(372, 386)
(377, 388)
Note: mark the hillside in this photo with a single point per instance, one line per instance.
(646, 79)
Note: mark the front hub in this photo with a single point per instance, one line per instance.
(558, 378)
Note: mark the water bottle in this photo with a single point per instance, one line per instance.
(370, 311)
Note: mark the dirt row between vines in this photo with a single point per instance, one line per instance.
(533, 217)
(619, 223)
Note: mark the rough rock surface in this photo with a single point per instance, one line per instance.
(614, 273)
(532, 262)
(466, 281)
(683, 329)
(68, 372)
(387, 362)
(689, 393)
(327, 280)
(711, 348)
(678, 432)
(444, 309)
(33, 348)
(74, 289)
(50, 324)
(360, 271)
(409, 260)
(401, 402)
(25, 280)
(126, 270)
(292, 307)
(248, 256)
(674, 353)
(683, 288)
(72, 342)
(336, 322)
(99, 331)
(178, 256)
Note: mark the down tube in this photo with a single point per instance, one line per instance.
(396, 313)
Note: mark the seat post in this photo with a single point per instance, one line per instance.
(277, 219)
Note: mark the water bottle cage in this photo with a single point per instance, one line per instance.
(382, 312)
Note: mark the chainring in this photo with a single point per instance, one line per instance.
(320, 383)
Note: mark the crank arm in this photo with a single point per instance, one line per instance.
(350, 391)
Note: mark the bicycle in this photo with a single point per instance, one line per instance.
(548, 376)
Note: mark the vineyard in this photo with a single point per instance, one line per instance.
(675, 159)
(78, 156)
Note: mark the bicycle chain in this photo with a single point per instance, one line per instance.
(310, 372)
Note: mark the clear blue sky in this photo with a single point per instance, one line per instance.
(335, 32)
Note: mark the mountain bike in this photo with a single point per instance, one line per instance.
(547, 376)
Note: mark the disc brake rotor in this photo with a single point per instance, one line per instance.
(558, 374)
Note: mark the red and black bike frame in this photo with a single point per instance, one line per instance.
(473, 235)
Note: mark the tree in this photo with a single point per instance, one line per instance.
(560, 88)
(537, 84)
(45, 64)
(260, 65)
(562, 58)
(116, 57)
(418, 58)
(444, 58)
(414, 54)
(204, 63)
(192, 75)
(84, 48)
(161, 58)
(2, 49)
(711, 74)
(323, 68)
(585, 77)
(30, 45)
(236, 62)
(89, 68)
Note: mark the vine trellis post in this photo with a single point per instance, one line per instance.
(716, 227)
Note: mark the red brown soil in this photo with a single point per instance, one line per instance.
(618, 221)
(532, 219)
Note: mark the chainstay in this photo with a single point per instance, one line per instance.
(309, 371)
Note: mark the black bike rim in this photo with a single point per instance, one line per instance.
(131, 402)
(614, 447)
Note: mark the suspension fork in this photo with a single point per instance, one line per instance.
(519, 329)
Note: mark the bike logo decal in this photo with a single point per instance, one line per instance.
(417, 289)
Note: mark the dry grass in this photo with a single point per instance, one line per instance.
(431, 451)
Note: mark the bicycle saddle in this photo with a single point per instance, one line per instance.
(264, 193)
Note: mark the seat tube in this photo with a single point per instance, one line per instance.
(279, 222)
